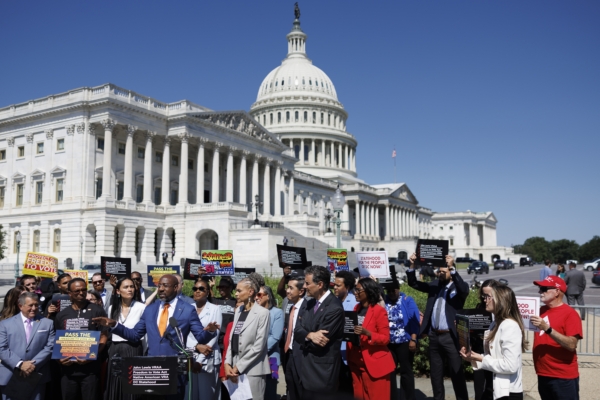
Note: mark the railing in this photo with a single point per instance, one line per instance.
(589, 345)
(241, 225)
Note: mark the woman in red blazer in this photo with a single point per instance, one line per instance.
(371, 362)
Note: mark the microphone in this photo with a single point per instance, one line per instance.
(175, 325)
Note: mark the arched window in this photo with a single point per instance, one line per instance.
(305, 116)
(322, 118)
(271, 119)
(314, 117)
(276, 83)
(279, 117)
(36, 241)
(287, 116)
(56, 247)
(328, 119)
(296, 116)
(264, 119)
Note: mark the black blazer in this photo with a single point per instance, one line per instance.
(454, 301)
(296, 351)
(320, 365)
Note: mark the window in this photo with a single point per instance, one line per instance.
(158, 157)
(175, 161)
(2, 196)
(98, 188)
(157, 195)
(139, 193)
(305, 116)
(59, 189)
(121, 148)
(16, 244)
(39, 190)
(57, 240)
(2, 155)
(328, 119)
(141, 152)
(451, 227)
(100, 145)
(314, 118)
(296, 116)
(205, 167)
(36, 241)
(271, 119)
(20, 188)
(174, 194)
(190, 164)
(60, 144)
(40, 148)
(278, 117)
(120, 187)
(322, 119)
(21, 151)
(287, 116)
(264, 119)
(451, 241)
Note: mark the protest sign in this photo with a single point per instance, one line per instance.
(390, 282)
(337, 260)
(61, 301)
(155, 272)
(80, 344)
(77, 273)
(528, 306)
(294, 257)
(432, 252)
(350, 321)
(241, 273)
(114, 266)
(143, 375)
(373, 263)
(218, 262)
(227, 308)
(463, 331)
(38, 264)
(190, 269)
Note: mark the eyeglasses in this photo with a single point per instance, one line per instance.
(259, 294)
(357, 290)
(79, 291)
(137, 279)
(97, 282)
(544, 289)
(486, 297)
(201, 288)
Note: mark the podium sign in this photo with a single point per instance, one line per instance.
(432, 252)
(149, 375)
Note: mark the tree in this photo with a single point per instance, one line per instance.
(563, 250)
(590, 250)
(2, 242)
(535, 247)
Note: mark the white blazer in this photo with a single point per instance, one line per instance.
(504, 358)
(210, 313)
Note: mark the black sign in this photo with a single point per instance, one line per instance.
(479, 319)
(190, 268)
(149, 375)
(294, 257)
(241, 273)
(392, 281)
(432, 252)
(114, 266)
(463, 331)
(350, 321)
(61, 301)
(227, 310)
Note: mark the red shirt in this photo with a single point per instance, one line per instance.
(549, 358)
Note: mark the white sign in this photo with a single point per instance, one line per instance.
(528, 306)
(373, 263)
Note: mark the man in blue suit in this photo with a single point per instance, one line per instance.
(162, 338)
(26, 342)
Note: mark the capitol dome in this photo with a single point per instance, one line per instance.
(298, 102)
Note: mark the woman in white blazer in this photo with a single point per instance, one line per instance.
(503, 343)
(247, 353)
(207, 362)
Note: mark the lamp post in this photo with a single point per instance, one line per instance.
(257, 203)
(328, 216)
(338, 202)
(18, 250)
(81, 252)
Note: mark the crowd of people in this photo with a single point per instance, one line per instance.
(244, 336)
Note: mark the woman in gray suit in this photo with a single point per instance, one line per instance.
(247, 352)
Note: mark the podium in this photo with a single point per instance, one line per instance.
(155, 376)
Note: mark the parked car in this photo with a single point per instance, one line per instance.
(468, 260)
(596, 276)
(91, 269)
(479, 267)
(591, 266)
(503, 264)
(525, 261)
(571, 261)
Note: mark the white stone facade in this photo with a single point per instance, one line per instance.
(107, 171)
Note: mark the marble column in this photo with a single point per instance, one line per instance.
(254, 179)
(108, 125)
(200, 172)
(229, 182)
(345, 216)
(148, 168)
(166, 173)
(291, 195)
(214, 191)
(183, 169)
(339, 152)
(267, 188)
(128, 167)
(332, 162)
(371, 219)
(243, 185)
(364, 218)
(277, 195)
(377, 221)
(387, 220)
(358, 218)
(402, 221)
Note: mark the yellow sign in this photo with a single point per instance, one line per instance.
(77, 273)
(38, 264)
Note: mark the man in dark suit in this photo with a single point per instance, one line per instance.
(162, 338)
(26, 342)
(319, 333)
(446, 295)
(136, 277)
(292, 355)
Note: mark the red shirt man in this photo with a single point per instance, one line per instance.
(555, 345)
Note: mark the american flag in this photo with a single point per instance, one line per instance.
(394, 153)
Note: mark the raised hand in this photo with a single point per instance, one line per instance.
(103, 321)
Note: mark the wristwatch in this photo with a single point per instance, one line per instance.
(548, 331)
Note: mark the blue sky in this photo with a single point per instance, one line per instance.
(492, 106)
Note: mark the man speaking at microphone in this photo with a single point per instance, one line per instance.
(167, 324)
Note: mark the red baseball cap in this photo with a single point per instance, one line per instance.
(553, 282)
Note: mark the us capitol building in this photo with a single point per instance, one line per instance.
(105, 171)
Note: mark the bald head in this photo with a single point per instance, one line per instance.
(168, 287)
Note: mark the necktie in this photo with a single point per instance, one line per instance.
(290, 332)
(28, 329)
(438, 308)
(316, 307)
(164, 317)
